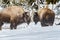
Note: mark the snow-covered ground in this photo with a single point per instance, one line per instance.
(31, 32)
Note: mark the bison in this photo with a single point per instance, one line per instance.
(14, 15)
(45, 16)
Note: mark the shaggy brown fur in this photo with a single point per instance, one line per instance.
(14, 15)
(46, 16)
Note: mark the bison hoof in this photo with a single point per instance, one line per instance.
(0, 28)
(43, 25)
(15, 28)
(11, 28)
(35, 23)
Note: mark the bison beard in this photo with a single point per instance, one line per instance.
(35, 18)
(26, 18)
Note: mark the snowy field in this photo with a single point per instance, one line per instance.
(31, 32)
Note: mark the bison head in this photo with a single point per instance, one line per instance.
(26, 17)
(35, 17)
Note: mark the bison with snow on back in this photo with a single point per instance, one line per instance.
(45, 16)
(14, 15)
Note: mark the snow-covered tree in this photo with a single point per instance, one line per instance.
(52, 1)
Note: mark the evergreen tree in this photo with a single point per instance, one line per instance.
(51, 1)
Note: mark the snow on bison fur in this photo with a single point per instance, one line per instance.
(14, 15)
(45, 16)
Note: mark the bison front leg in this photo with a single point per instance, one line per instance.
(1, 25)
(28, 20)
(43, 24)
(13, 25)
